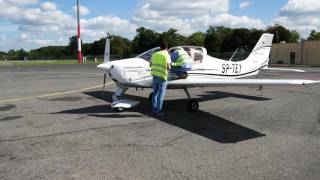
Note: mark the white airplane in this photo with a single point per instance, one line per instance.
(207, 71)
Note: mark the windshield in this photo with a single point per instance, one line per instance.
(148, 54)
(196, 53)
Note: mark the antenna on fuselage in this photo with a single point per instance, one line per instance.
(234, 54)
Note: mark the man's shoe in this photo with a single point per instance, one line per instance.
(183, 75)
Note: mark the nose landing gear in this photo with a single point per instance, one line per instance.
(124, 104)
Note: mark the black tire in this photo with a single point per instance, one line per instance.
(150, 96)
(193, 106)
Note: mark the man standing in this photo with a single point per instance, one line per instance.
(160, 65)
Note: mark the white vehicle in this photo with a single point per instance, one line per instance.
(207, 71)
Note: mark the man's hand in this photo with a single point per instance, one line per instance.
(169, 66)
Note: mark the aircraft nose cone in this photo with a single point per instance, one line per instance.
(105, 67)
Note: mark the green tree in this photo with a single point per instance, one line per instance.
(197, 39)
(50, 52)
(97, 47)
(314, 35)
(236, 38)
(17, 54)
(216, 38)
(73, 46)
(173, 38)
(120, 47)
(295, 36)
(283, 34)
(254, 37)
(145, 40)
(3, 55)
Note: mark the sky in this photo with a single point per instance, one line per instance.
(31, 24)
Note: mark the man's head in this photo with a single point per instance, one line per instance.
(163, 45)
(175, 49)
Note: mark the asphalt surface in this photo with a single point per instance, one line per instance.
(54, 124)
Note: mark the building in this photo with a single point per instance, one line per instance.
(302, 53)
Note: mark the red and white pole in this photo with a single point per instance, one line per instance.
(79, 35)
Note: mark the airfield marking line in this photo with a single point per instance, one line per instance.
(52, 94)
(45, 72)
(96, 74)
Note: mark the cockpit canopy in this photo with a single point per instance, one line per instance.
(196, 53)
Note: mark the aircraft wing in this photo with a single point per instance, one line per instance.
(206, 82)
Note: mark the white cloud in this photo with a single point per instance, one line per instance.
(189, 16)
(238, 21)
(42, 42)
(32, 16)
(99, 26)
(24, 37)
(182, 8)
(48, 6)
(20, 2)
(105, 22)
(83, 10)
(3, 37)
(45, 24)
(300, 15)
(301, 7)
(244, 4)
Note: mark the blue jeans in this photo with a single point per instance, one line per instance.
(181, 69)
(159, 89)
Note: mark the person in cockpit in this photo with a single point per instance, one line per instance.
(181, 62)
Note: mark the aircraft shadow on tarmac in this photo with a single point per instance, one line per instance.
(202, 123)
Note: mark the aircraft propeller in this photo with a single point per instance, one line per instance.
(106, 65)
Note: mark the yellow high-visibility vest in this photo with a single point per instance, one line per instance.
(159, 64)
(182, 59)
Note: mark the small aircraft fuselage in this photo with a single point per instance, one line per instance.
(135, 72)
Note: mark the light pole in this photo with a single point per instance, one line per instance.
(79, 34)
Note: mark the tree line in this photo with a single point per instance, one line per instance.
(217, 40)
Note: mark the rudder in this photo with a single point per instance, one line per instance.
(261, 52)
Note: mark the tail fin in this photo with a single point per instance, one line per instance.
(107, 49)
(260, 53)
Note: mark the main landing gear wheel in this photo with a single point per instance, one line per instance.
(150, 96)
(193, 106)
